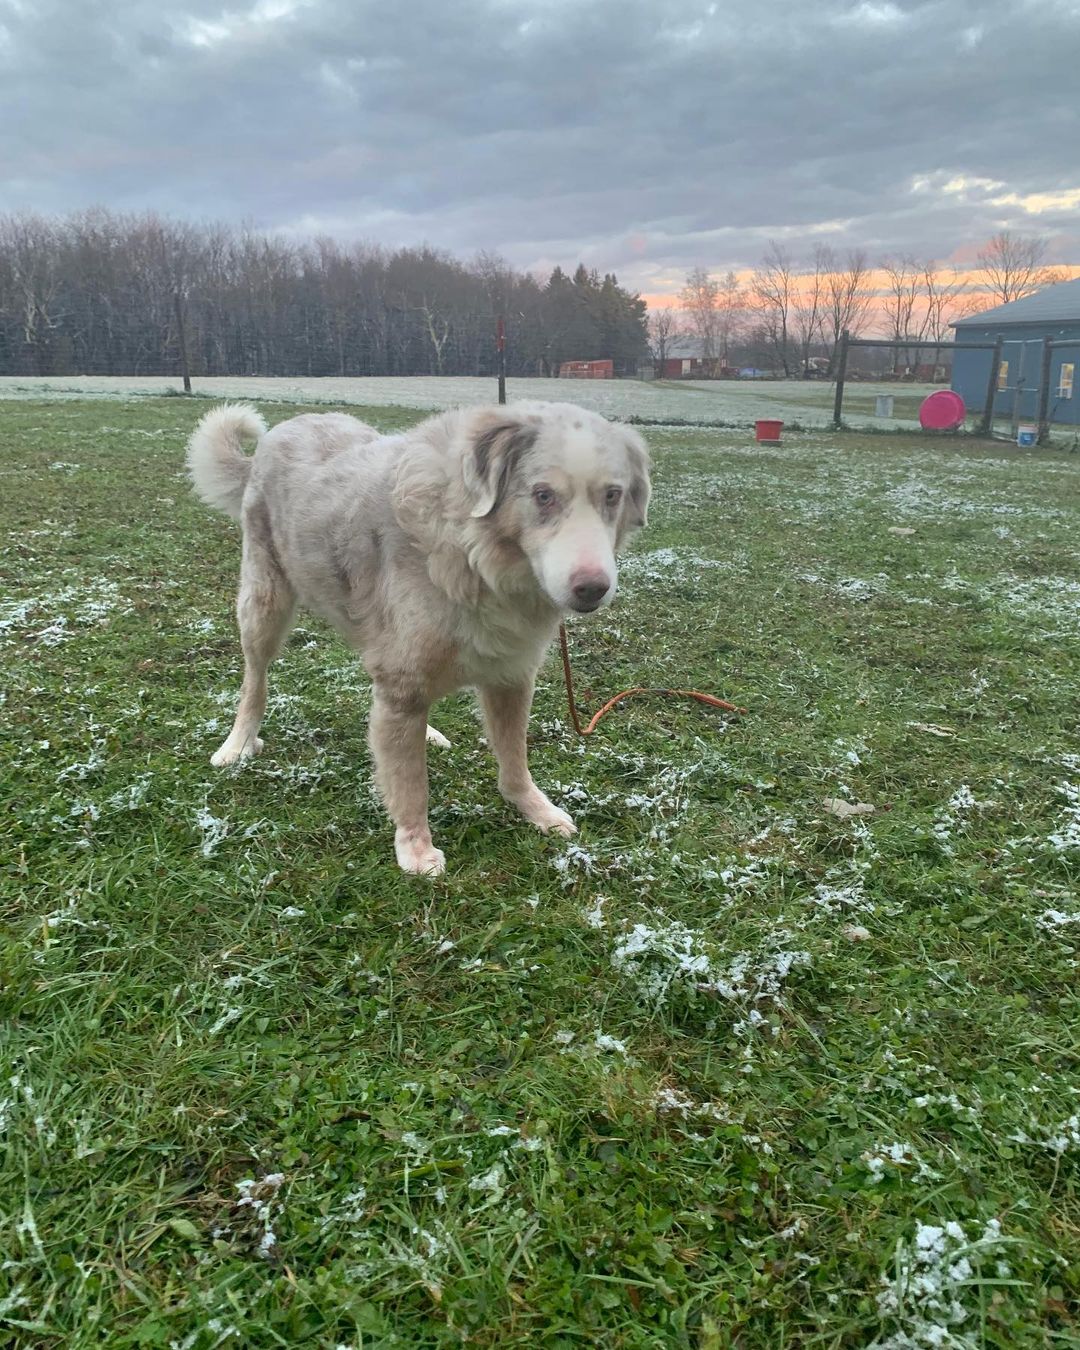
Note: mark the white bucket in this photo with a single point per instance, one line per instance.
(1026, 436)
(883, 405)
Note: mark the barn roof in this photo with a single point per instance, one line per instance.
(1054, 304)
(686, 344)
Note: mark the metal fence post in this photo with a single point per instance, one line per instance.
(1042, 419)
(986, 426)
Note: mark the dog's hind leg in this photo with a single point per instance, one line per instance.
(265, 607)
(506, 714)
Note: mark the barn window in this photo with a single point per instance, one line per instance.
(1003, 375)
(1065, 379)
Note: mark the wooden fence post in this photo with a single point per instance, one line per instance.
(500, 347)
(181, 339)
(841, 371)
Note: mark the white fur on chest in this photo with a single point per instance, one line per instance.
(495, 646)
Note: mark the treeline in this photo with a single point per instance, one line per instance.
(102, 293)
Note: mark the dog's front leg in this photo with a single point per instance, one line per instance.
(506, 713)
(398, 743)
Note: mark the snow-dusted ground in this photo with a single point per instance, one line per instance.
(739, 402)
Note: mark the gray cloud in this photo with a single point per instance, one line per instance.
(625, 133)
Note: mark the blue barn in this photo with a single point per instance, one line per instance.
(1024, 324)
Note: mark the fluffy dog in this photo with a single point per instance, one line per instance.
(445, 556)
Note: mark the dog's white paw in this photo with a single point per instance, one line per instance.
(231, 752)
(557, 822)
(419, 856)
(434, 737)
(545, 815)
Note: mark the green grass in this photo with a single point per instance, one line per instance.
(707, 1079)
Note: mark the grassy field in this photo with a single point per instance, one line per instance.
(800, 404)
(736, 1068)
(807, 403)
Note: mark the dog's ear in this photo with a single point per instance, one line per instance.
(496, 441)
(640, 490)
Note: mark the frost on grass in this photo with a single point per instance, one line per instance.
(577, 858)
(594, 914)
(86, 768)
(422, 1253)
(842, 892)
(56, 616)
(133, 796)
(1062, 842)
(662, 800)
(1059, 1138)
(24, 1108)
(953, 816)
(730, 401)
(932, 1297)
(656, 957)
(665, 957)
(1049, 603)
(256, 1201)
(1054, 920)
(349, 1212)
(609, 1044)
(668, 565)
(213, 830)
(848, 588)
(894, 1159)
(676, 1102)
(1066, 838)
(491, 1183)
(226, 1019)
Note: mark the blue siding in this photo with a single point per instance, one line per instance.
(1023, 351)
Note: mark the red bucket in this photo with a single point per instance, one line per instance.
(768, 433)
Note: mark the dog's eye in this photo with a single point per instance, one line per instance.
(613, 496)
(543, 496)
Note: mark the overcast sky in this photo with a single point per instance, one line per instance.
(641, 138)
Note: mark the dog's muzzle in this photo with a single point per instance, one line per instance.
(588, 590)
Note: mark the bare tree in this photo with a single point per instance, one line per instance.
(904, 276)
(944, 303)
(808, 309)
(1011, 266)
(730, 307)
(944, 300)
(772, 295)
(904, 308)
(698, 298)
(664, 332)
(31, 244)
(848, 296)
(497, 277)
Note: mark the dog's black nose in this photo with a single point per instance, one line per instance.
(588, 593)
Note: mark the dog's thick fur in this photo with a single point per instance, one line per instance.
(444, 556)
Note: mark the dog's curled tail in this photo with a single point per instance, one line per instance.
(218, 466)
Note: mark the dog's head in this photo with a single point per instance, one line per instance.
(564, 485)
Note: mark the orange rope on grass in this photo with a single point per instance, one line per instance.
(710, 699)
